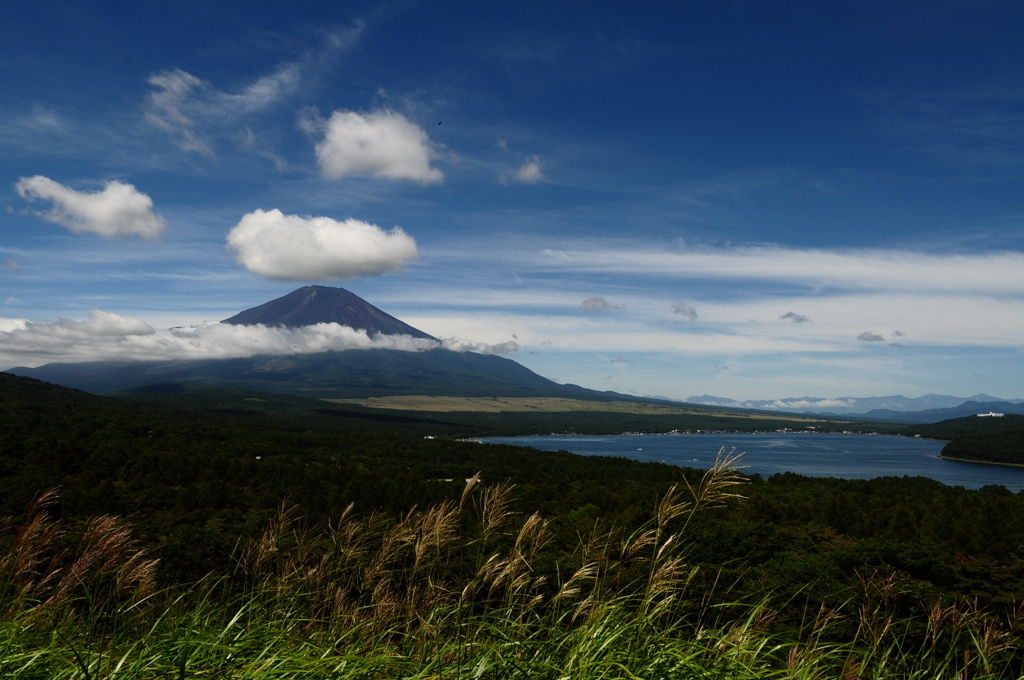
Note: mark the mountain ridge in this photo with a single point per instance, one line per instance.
(332, 374)
(344, 373)
(312, 305)
(893, 407)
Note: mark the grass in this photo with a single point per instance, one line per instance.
(463, 589)
(444, 404)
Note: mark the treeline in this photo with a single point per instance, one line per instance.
(194, 483)
(989, 439)
(1006, 448)
(218, 400)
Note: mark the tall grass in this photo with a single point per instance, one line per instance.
(458, 590)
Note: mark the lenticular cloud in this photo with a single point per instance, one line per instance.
(294, 248)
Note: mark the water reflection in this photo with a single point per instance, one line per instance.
(848, 456)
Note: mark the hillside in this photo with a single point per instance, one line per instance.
(1005, 448)
(201, 488)
(982, 439)
(334, 374)
(967, 425)
(349, 373)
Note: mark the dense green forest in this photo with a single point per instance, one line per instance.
(1005, 448)
(193, 481)
(226, 401)
(197, 485)
(998, 440)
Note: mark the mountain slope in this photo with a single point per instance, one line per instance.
(334, 374)
(339, 374)
(935, 415)
(319, 304)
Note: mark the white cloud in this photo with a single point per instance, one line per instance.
(106, 336)
(730, 328)
(11, 325)
(294, 248)
(605, 334)
(463, 345)
(811, 404)
(118, 211)
(1000, 272)
(381, 144)
(530, 171)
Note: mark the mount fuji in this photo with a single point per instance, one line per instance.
(319, 304)
(348, 373)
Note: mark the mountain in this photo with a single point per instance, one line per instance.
(930, 408)
(320, 304)
(339, 374)
(351, 374)
(935, 415)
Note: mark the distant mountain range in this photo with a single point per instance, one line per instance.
(360, 373)
(929, 408)
(341, 374)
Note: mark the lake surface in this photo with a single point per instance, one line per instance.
(849, 456)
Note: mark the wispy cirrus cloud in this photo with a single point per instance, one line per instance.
(530, 172)
(200, 117)
(173, 107)
(744, 325)
(189, 108)
(1000, 272)
(974, 126)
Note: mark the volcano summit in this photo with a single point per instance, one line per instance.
(311, 305)
(425, 368)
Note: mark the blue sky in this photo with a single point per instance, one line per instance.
(746, 199)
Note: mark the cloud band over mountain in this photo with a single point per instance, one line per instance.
(108, 336)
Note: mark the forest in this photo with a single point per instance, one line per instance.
(998, 440)
(238, 496)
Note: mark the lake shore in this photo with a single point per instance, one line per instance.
(846, 456)
(981, 462)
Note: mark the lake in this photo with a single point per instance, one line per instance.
(848, 456)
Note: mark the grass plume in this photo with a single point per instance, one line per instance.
(466, 589)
